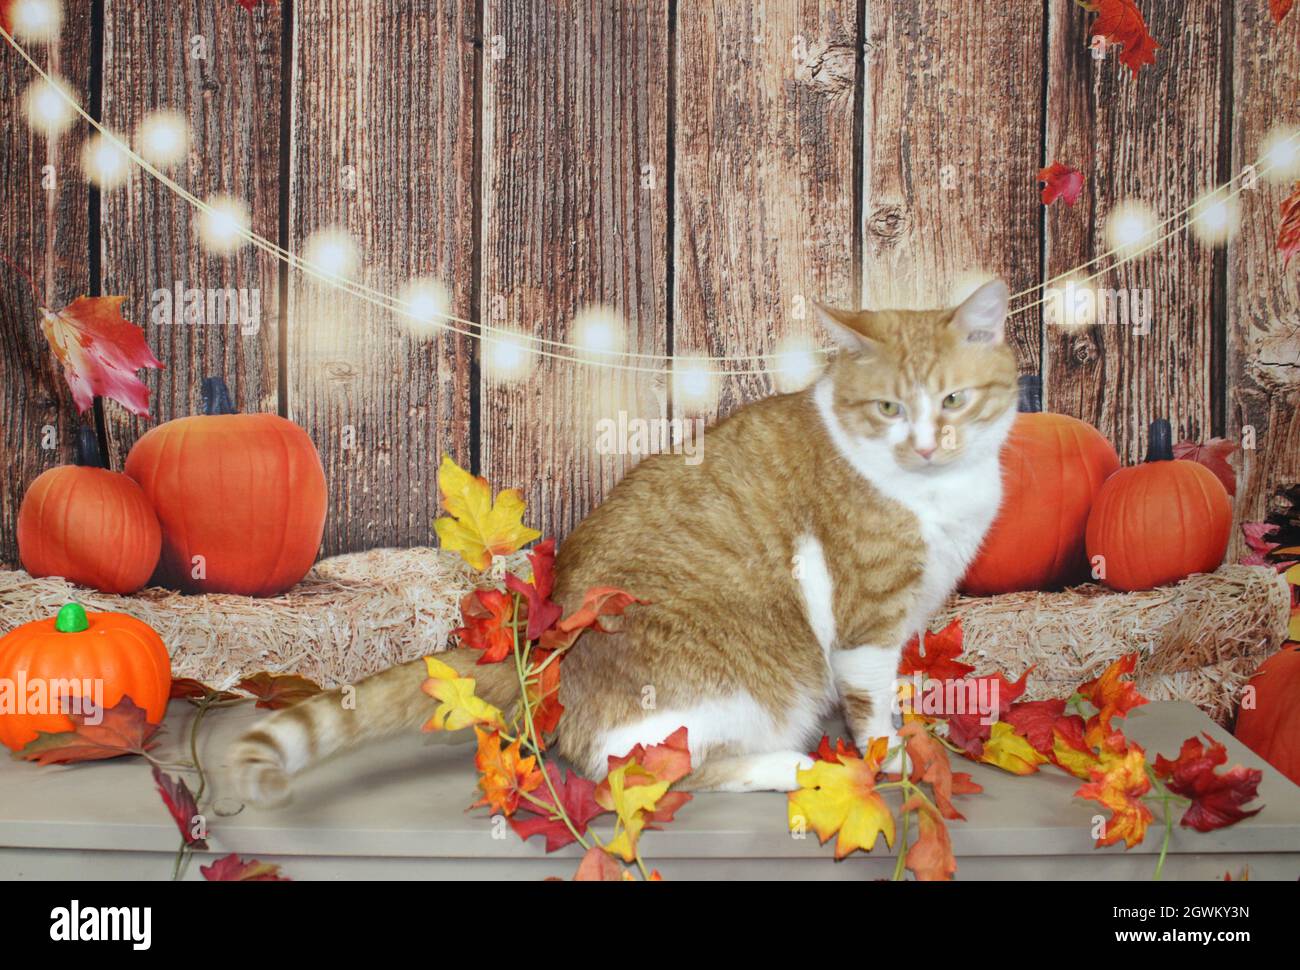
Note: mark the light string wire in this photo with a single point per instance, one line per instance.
(584, 355)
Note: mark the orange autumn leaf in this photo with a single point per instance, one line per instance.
(487, 614)
(505, 774)
(636, 789)
(122, 729)
(930, 764)
(1111, 694)
(1120, 788)
(839, 799)
(1280, 8)
(100, 352)
(543, 691)
(1288, 237)
(599, 601)
(598, 866)
(842, 749)
(930, 856)
(1120, 22)
(476, 526)
(1061, 182)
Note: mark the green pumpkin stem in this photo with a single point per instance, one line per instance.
(87, 450)
(71, 619)
(1031, 394)
(216, 397)
(1160, 444)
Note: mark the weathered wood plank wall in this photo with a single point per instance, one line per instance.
(699, 171)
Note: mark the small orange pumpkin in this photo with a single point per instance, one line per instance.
(1053, 465)
(89, 525)
(1271, 727)
(58, 654)
(1160, 521)
(241, 498)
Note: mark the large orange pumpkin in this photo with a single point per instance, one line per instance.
(56, 655)
(1271, 728)
(241, 498)
(1053, 466)
(1160, 521)
(89, 525)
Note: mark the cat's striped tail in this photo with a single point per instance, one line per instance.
(263, 759)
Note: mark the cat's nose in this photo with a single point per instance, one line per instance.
(925, 452)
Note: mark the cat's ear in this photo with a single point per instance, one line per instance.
(983, 315)
(844, 327)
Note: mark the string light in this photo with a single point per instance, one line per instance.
(1129, 227)
(1216, 218)
(1132, 226)
(163, 138)
(224, 224)
(105, 162)
(37, 20)
(507, 357)
(695, 384)
(45, 104)
(333, 253)
(598, 334)
(798, 363)
(1280, 154)
(426, 302)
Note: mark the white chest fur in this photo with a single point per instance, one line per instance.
(954, 505)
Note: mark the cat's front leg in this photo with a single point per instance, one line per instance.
(866, 678)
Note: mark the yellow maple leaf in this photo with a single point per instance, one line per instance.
(477, 527)
(840, 797)
(1120, 788)
(631, 804)
(1010, 751)
(460, 707)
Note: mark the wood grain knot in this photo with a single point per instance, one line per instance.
(1083, 350)
(888, 223)
(339, 372)
(831, 68)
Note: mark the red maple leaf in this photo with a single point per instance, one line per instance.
(1120, 22)
(1061, 182)
(100, 352)
(180, 802)
(1280, 8)
(842, 748)
(1034, 720)
(543, 612)
(487, 614)
(232, 868)
(1214, 456)
(1216, 799)
(251, 5)
(597, 602)
(1288, 237)
(274, 691)
(122, 730)
(969, 730)
(941, 650)
(577, 798)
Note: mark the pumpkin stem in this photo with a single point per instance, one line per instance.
(1160, 446)
(71, 619)
(1031, 394)
(87, 451)
(216, 397)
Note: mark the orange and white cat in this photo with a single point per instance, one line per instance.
(783, 573)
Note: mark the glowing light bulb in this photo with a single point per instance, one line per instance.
(506, 357)
(1216, 218)
(105, 162)
(598, 332)
(796, 365)
(163, 138)
(426, 305)
(695, 386)
(224, 224)
(1130, 228)
(1280, 154)
(1070, 303)
(36, 20)
(332, 252)
(48, 106)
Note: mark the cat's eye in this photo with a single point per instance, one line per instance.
(890, 409)
(955, 400)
